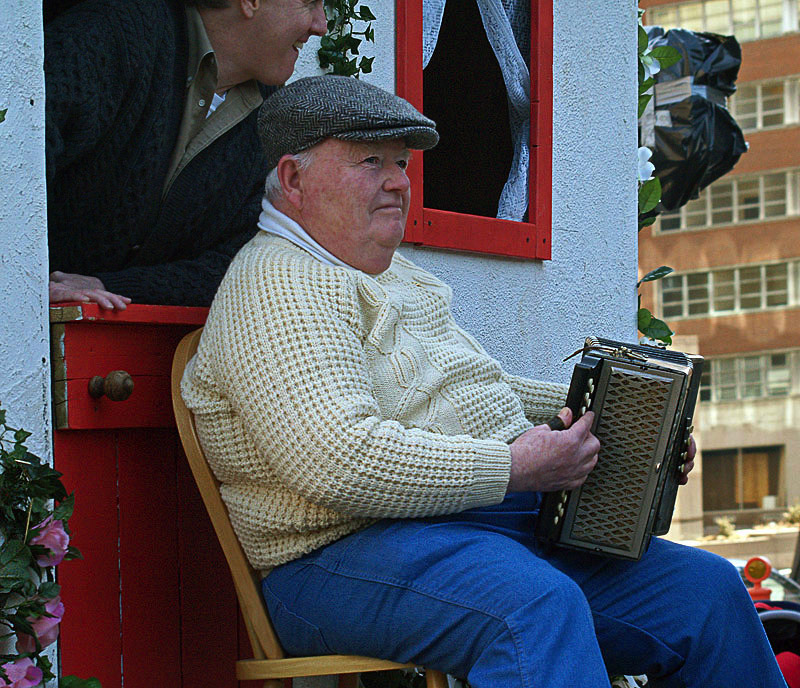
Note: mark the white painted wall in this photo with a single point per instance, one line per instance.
(24, 348)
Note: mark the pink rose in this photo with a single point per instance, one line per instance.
(21, 674)
(45, 627)
(52, 536)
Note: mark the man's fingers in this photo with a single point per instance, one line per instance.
(115, 300)
(59, 293)
(584, 424)
(562, 421)
(102, 300)
(105, 299)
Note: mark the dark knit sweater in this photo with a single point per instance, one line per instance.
(115, 79)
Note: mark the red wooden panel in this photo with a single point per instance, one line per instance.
(134, 313)
(148, 551)
(90, 639)
(144, 351)
(541, 138)
(541, 66)
(98, 348)
(473, 233)
(469, 232)
(209, 613)
(408, 18)
(149, 406)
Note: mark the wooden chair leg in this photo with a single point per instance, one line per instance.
(274, 683)
(435, 679)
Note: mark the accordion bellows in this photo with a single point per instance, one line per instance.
(644, 399)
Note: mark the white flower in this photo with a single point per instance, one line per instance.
(651, 65)
(646, 168)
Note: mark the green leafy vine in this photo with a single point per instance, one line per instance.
(338, 49)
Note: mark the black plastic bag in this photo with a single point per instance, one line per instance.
(694, 138)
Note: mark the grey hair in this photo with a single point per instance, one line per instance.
(272, 186)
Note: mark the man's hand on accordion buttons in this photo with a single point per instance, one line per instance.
(546, 460)
(688, 465)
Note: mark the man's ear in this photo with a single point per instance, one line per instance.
(290, 176)
(248, 7)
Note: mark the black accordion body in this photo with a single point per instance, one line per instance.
(643, 398)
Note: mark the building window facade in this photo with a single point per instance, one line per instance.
(730, 290)
(758, 376)
(748, 20)
(736, 200)
(744, 478)
(766, 104)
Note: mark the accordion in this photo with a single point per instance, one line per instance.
(643, 398)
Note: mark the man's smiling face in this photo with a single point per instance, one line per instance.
(283, 26)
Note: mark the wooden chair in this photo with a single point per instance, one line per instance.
(269, 662)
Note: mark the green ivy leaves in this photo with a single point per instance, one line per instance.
(339, 47)
(75, 682)
(649, 195)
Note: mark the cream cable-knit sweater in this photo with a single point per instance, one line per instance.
(326, 398)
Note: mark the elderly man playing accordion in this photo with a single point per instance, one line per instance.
(385, 473)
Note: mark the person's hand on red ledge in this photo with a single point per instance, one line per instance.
(66, 286)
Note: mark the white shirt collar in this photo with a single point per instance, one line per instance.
(273, 221)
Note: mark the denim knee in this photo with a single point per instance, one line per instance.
(549, 639)
(711, 579)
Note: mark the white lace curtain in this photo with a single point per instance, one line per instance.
(507, 25)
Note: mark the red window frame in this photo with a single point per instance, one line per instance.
(445, 229)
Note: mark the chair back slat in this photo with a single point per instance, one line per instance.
(246, 581)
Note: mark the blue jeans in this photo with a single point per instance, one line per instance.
(471, 595)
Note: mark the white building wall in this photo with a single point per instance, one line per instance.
(24, 348)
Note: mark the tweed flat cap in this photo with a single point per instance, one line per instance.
(307, 111)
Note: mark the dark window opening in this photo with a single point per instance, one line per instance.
(465, 94)
(735, 479)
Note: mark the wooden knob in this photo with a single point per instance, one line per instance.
(117, 386)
